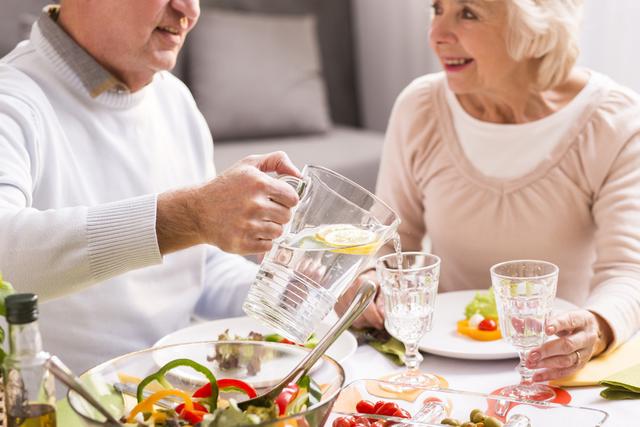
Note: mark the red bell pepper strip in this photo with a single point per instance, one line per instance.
(286, 396)
(159, 377)
(192, 417)
(205, 390)
(196, 407)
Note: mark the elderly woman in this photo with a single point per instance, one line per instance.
(513, 152)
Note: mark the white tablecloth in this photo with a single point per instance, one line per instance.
(485, 376)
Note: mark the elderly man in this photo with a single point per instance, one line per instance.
(108, 202)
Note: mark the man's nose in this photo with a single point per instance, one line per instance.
(188, 8)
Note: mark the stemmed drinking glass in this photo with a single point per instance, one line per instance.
(524, 292)
(409, 284)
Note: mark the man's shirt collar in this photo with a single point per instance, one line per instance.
(94, 77)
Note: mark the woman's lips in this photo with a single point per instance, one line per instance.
(456, 64)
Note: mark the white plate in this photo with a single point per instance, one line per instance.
(443, 340)
(340, 350)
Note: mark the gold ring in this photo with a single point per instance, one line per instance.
(579, 358)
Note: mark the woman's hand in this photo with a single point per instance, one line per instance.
(373, 315)
(582, 335)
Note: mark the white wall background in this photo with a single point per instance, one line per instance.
(392, 47)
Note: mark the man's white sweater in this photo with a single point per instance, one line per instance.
(79, 178)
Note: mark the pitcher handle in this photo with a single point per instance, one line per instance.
(298, 184)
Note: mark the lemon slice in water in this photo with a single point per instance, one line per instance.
(349, 239)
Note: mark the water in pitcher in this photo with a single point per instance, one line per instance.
(303, 273)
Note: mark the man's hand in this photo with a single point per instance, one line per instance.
(582, 335)
(373, 315)
(240, 211)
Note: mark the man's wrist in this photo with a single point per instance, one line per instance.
(176, 225)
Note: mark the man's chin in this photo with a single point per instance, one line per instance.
(165, 61)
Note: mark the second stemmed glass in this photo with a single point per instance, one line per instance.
(409, 284)
(524, 291)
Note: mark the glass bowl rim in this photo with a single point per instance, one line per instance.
(331, 398)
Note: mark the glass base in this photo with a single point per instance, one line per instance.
(409, 380)
(535, 392)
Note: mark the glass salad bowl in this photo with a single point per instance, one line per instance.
(430, 407)
(181, 372)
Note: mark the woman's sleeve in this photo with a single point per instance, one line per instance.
(615, 287)
(397, 183)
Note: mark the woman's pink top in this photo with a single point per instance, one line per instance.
(579, 208)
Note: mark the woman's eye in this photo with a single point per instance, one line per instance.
(468, 14)
(436, 9)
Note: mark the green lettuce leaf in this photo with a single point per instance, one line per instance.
(483, 303)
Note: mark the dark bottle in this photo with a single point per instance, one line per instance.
(29, 386)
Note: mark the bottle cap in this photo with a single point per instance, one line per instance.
(21, 308)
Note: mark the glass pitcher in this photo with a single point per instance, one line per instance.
(335, 231)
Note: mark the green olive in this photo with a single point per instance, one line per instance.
(477, 416)
(492, 422)
(450, 422)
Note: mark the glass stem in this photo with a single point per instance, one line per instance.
(412, 358)
(526, 374)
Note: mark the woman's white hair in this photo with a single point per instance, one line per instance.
(546, 30)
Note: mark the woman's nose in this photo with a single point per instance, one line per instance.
(441, 31)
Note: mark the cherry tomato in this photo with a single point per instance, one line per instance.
(360, 422)
(475, 333)
(377, 406)
(388, 408)
(365, 407)
(488, 325)
(343, 422)
(378, 423)
(401, 413)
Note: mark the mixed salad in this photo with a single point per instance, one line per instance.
(231, 356)
(212, 405)
(481, 318)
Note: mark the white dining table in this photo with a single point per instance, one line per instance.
(485, 376)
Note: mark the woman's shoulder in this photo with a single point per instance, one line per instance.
(616, 111)
(616, 98)
(420, 99)
(422, 88)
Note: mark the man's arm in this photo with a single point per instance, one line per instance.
(240, 211)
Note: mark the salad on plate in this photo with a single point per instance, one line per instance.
(481, 318)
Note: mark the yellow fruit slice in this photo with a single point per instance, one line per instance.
(360, 250)
(349, 239)
(322, 233)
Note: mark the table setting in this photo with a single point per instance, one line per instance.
(442, 354)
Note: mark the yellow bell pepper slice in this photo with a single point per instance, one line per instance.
(147, 404)
(477, 334)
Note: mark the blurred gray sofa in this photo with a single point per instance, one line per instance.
(268, 75)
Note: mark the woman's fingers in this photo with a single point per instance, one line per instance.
(567, 322)
(552, 374)
(577, 336)
(547, 355)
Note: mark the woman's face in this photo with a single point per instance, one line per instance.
(469, 38)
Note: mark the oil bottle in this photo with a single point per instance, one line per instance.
(29, 386)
